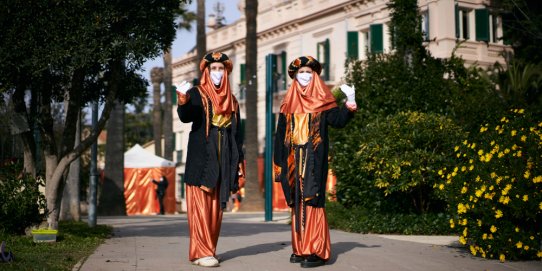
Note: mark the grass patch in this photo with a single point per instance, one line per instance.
(362, 221)
(75, 241)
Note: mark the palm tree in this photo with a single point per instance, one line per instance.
(201, 38)
(253, 196)
(157, 75)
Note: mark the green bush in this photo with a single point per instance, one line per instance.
(494, 188)
(22, 204)
(397, 158)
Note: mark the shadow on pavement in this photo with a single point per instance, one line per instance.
(253, 250)
(343, 247)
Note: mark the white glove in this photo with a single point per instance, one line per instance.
(350, 93)
(183, 87)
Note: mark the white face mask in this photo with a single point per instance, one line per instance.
(216, 76)
(304, 78)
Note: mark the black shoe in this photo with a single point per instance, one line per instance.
(296, 258)
(312, 261)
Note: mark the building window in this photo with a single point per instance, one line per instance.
(425, 25)
(322, 51)
(242, 82)
(495, 28)
(365, 43)
(282, 70)
(462, 23)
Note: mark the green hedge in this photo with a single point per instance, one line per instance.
(494, 188)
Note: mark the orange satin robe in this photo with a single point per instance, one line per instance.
(314, 236)
(204, 212)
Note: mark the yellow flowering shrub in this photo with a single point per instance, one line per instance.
(496, 195)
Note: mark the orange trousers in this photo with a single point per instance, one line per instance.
(204, 221)
(314, 236)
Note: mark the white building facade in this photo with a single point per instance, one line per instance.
(332, 31)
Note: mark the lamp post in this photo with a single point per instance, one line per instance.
(271, 63)
(93, 171)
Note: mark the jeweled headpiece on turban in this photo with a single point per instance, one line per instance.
(216, 57)
(304, 61)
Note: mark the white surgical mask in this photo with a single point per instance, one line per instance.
(216, 76)
(304, 78)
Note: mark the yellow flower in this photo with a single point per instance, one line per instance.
(516, 229)
(471, 167)
(502, 258)
(527, 174)
(523, 138)
(473, 250)
(531, 237)
(478, 193)
(452, 224)
(465, 232)
(526, 247)
(480, 152)
(462, 240)
(483, 129)
(519, 244)
(484, 236)
(540, 206)
(464, 223)
(456, 148)
(440, 172)
(521, 111)
(498, 214)
(525, 197)
(539, 254)
(493, 229)
(471, 161)
(441, 187)
(462, 209)
(464, 190)
(513, 133)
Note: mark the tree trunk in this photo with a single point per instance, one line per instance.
(24, 128)
(157, 75)
(253, 196)
(112, 193)
(168, 114)
(70, 207)
(201, 38)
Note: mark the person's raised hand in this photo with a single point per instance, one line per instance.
(183, 87)
(350, 93)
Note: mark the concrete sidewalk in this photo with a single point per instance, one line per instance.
(248, 243)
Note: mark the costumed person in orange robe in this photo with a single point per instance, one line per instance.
(214, 157)
(301, 156)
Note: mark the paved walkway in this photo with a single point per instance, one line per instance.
(248, 243)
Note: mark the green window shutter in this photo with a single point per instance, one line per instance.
(326, 58)
(242, 74)
(482, 24)
(457, 21)
(377, 38)
(284, 68)
(173, 96)
(352, 45)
